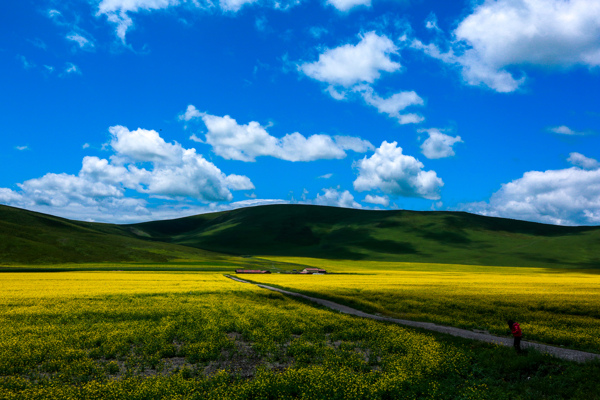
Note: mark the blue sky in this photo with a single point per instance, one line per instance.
(135, 110)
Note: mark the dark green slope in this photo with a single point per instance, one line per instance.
(32, 238)
(338, 233)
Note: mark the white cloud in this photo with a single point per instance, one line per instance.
(349, 70)
(233, 141)
(190, 113)
(394, 173)
(234, 5)
(83, 42)
(506, 33)
(117, 11)
(8, 196)
(438, 144)
(21, 148)
(334, 198)
(99, 190)
(326, 176)
(565, 197)
(393, 104)
(72, 69)
(381, 200)
(346, 5)
(579, 160)
(565, 130)
(353, 143)
(144, 145)
(350, 64)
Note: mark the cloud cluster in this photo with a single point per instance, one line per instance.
(347, 5)
(500, 34)
(333, 197)
(142, 162)
(352, 69)
(438, 144)
(246, 142)
(568, 196)
(118, 12)
(379, 200)
(394, 173)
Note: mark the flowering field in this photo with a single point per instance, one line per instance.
(554, 306)
(136, 335)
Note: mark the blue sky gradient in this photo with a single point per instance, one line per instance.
(135, 110)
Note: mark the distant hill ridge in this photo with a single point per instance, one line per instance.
(303, 231)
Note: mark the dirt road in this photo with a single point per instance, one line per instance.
(565, 354)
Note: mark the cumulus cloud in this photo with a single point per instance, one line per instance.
(565, 130)
(500, 34)
(564, 197)
(352, 69)
(333, 197)
(351, 64)
(142, 162)
(579, 160)
(234, 141)
(143, 145)
(394, 173)
(346, 5)
(438, 144)
(380, 200)
(190, 113)
(393, 104)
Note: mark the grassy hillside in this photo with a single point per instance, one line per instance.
(300, 231)
(338, 233)
(32, 238)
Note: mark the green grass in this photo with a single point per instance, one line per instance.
(302, 231)
(409, 236)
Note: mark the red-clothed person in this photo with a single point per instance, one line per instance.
(515, 329)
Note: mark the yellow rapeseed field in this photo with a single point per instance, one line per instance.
(555, 306)
(151, 335)
(201, 335)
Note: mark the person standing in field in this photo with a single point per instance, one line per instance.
(515, 329)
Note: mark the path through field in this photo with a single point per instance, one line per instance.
(565, 354)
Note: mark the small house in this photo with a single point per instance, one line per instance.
(313, 271)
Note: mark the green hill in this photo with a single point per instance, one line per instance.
(303, 231)
(32, 238)
(339, 233)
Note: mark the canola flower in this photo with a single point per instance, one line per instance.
(117, 335)
(557, 306)
(147, 335)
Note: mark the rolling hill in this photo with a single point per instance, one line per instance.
(411, 236)
(28, 237)
(302, 231)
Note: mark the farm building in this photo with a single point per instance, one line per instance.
(313, 271)
(251, 271)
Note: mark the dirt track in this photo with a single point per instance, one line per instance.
(565, 354)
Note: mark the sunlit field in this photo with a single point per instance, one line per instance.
(554, 306)
(145, 335)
